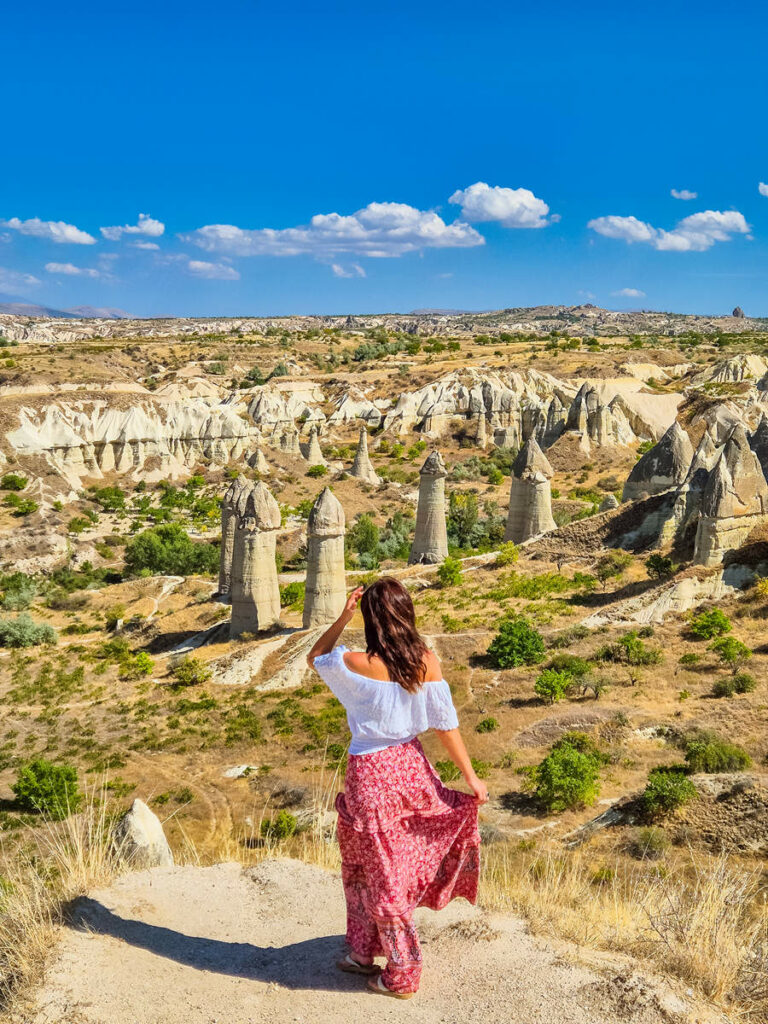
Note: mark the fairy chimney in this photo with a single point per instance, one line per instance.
(254, 588)
(325, 586)
(312, 451)
(530, 495)
(481, 434)
(663, 466)
(361, 467)
(235, 494)
(430, 541)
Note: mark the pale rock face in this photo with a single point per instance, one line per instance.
(326, 584)
(352, 406)
(286, 440)
(254, 587)
(609, 502)
(601, 423)
(258, 461)
(758, 442)
(530, 495)
(235, 493)
(362, 469)
(665, 465)
(140, 839)
(430, 542)
(744, 366)
(313, 452)
(481, 436)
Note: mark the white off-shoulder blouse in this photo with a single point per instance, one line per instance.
(381, 713)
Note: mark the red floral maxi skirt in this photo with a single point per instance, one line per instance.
(406, 841)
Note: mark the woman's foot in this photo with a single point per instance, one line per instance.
(378, 986)
(350, 965)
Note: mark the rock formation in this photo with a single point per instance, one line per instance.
(312, 451)
(258, 461)
(254, 589)
(361, 467)
(481, 437)
(430, 541)
(735, 500)
(140, 840)
(664, 466)
(738, 313)
(530, 495)
(326, 584)
(609, 502)
(237, 492)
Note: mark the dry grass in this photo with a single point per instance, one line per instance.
(703, 919)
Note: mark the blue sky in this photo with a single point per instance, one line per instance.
(529, 151)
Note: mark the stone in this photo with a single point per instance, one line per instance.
(140, 840)
(325, 592)
(738, 313)
(254, 587)
(258, 461)
(662, 467)
(530, 495)
(362, 468)
(235, 492)
(609, 502)
(312, 450)
(430, 541)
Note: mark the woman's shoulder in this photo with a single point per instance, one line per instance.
(434, 669)
(361, 664)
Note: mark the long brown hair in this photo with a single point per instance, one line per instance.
(390, 632)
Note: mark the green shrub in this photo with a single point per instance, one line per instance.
(659, 566)
(612, 565)
(629, 650)
(136, 666)
(487, 725)
(17, 591)
(508, 552)
(666, 790)
(282, 826)
(168, 549)
(689, 658)
(449, 573)
(20, 507)
(47, 788)
(707, 625)
(714, 755)
(648, 843)
(552, 686)
(516, 643)
(292, 594)
(744, 682)
(23, 631)
(575, 666)
(568, 777)
(317, 471)
(114, 615)
(730, 651)
(448, 771)
(13, 482)
(190, 671)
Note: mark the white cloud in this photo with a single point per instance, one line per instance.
(378, 230)
(71, 270)
(354, 271)
(629, 293)
(146, 226)
(149, 246)
(511, 207)
(683, 193)
(213, 271)
(696, 233)
(53, 230)
(14, 281)
(762, 188)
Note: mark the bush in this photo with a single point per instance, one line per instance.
(282, 826)
(487, 725)
(47, 788)
(568, 777)
(629, 650)
(17, 591)
(744, 682)
(552, 686)
(707, 625)
(575, 666)
(508, 554)
(137, 666)
(666, 790)
(168, 550)
(689, 658)
(292, 594)
(648, 843)
(114, 615)
(190, 671)
(713, 755)
(659, 566)
(317, 471)
(730, 651)
(13, 482)
(23, 631)
(449, 573)
(612, 565)
(516, 643)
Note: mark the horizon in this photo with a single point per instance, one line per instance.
(349, 160)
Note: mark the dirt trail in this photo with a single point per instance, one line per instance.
(190, 945)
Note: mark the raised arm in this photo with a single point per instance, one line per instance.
(452, 740)
(328, 640)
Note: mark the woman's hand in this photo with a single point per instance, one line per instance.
(352, 602)
(479, 788)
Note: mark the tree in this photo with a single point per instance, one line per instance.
(516, 643)
(710, 754)
(552, 685)
(449, 572)
(363, 539)
(568, 777)
(45, 788)
(659, 566)
(463, 514)
(169, 550)
(23, 631)
(731, 652)
(612, 565)
(190, 671)
(667, 789)
(707, 625)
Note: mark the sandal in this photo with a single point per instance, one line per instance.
(378, 986)
(352, 966)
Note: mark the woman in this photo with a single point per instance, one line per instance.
(406, 840)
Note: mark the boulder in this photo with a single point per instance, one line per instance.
(140, 840)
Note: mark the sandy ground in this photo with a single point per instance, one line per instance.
(227, 945)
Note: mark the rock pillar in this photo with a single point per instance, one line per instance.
(313, 453)
(326, 584)
(530, 495)
(236, 492)
(361, 467)
(255, 593)
(430, 542)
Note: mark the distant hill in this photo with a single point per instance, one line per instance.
(443, 312)
(14, 308)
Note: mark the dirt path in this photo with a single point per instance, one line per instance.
(223, 945)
